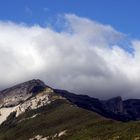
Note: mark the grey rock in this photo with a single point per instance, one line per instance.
(21, 92)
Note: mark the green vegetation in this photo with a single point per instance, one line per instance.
(61, 115)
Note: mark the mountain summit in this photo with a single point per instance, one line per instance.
(35, 111)
(25, 96)
(21, 92)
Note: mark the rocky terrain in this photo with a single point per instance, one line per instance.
(19, 93)
(35, 111)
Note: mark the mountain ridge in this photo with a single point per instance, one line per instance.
(114, 108)
(44, 113)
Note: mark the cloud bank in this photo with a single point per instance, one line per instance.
(85, 57)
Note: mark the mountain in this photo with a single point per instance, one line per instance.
(114, 108)
(35, 111)
(19, 93)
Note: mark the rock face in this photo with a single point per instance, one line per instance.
(41, 99)
(115, 105)
(19, 93)
(26, 96)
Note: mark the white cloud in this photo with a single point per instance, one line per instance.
(84, 58)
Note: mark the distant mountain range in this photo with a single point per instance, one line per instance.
(114, 108)
(35, 111)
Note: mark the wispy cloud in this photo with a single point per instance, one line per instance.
(84, 57)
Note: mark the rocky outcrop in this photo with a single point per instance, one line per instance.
(41, 99)
(115, 104)
(19, 93)
(23, 97)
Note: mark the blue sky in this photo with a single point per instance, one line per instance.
(123, 15)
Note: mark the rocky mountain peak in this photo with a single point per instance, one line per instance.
(115, 104)
(18, 93)
(29, 95)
